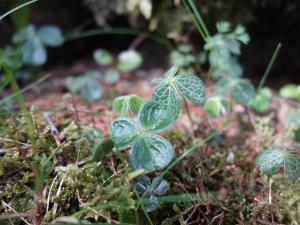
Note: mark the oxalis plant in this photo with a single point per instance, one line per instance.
(150, 151)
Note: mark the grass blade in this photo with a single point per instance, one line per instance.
(269, 67)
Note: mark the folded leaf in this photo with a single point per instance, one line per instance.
(123, 131)
(151, 152)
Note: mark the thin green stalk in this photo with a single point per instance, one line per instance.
(200, 30)
(21, 102)
(17, 8)
(20, 91)
(199, 18)
(140, 200)
(120, 30)
(269, 67)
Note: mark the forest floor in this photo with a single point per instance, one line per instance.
(218, 183)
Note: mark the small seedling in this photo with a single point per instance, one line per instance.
(223, 48)
(217, 106)
(183, 56)
(149, 150)
(261, 101)
(291, 91)
(127, 60)
(242, 90)
(270, 160)
(149, 190)
(33, 43)
(87, 85)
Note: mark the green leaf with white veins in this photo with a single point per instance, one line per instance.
(151, 152)
(272, 159)
(243, 92)
(165, 94)
(156, 117)
(123, 131)
(190, 87)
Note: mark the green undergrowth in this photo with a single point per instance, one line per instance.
(215, 183)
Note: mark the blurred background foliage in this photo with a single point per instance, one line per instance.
(267, 21)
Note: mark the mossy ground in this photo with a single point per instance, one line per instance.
(218, 184)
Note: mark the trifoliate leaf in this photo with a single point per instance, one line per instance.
(129, 60)
(73, 84)
(272, 159)
(103, 57)
(102, 148)
(216, 106)
(243, 92)
(156, 117)
(34, 52)
(165, 94)
(190, 87)
(51, 36)
(123, 131)
(151, 152)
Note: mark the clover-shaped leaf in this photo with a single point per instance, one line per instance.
(87, 85)
(276, 157)
(124, 132)
(128, 103)
(103, 57)
(151, 152)
(34, 42)
(144, 187)
(261, 101)
(51, 36)
(156, 117)
(190, 87)
(216, 106)
(129, 60)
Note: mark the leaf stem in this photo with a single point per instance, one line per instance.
(269, 67)
(21, 102)
(17, 8)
